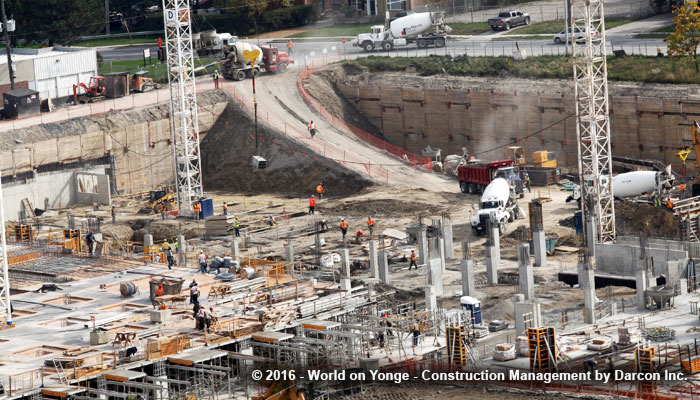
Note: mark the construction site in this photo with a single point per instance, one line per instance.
(340, 233)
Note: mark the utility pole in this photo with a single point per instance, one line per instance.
(107, 16)
(8, 45)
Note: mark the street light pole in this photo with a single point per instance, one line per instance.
(8, 45)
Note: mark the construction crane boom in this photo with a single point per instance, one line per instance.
(592, 117)
(183, 103)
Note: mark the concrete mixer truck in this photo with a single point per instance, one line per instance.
(425, 29)
(497, 205)
(237, 67)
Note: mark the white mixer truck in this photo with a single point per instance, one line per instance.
(425, 29)
(497, 205)
(237, 67)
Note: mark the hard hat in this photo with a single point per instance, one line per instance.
(201, 251)
(342, 219)
(312, 195)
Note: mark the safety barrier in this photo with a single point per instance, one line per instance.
(397, 151)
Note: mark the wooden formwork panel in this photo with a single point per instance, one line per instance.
(22, 160)
(412, 94)
(368, 104)
(413, 118)
(392, 122)
(45, 152)
(93, 145)
(351, 93)
(650, 104)
(436, 112)
(625, 105)
(482, 115)
(6, 163)
(390, 96)
(671, 106)
(69, 148)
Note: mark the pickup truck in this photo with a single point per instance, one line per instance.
(509, 19)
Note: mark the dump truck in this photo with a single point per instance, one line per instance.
(237, 67)
(473, 178)
(497, 206)
(425, 29)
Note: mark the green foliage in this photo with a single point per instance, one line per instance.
(630, 68)
(683, 41)
(58, 21)
(237, 22)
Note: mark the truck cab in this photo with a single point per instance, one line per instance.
(497, 207)
(274, 60)
(372, 40)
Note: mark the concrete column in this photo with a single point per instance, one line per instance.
(492, 258)
(526, 278)
(383, 267)
(344, 263)
(449, 241)
(147, 242)
(591, 234)
(538, 241)
(586, 280)
(641, 280)
(468, 278)
(288, 256)
(234, 248)
(373, 267)
(345, 284)
(433, 248)
(422, 247)
(430, 299)
(496, 239)
(434, 271)
(441, 251)
(181, 251)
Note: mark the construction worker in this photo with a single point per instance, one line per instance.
(169, 257)
(413, 260)
(312, 205)
(216, 78)
(195, 208)
(527, 182)
(271, 221)
(194, 292)
(90, 240)
(358, 236)
(290, 48)
(312, 129)
(343, 228)
(114, 215)
(195, 315)
(236, 227)
(202, 318)
(160, 291)
(416, 334)
(225, 208)
(202, 258)
(657, 201)
(319, 190)
(323, 225)
(682, 187)
(165, 245)
(370, 225)
(669, 204)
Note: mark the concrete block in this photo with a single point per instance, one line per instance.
(383, 267)
(100, 337)
(345, 284)
(683, 284)
(235, 253)
(288, 256)
(434, 271)
(373, 266)
(160, 316)
(540, 247)
(430, 299)
(345, 263)
(468, 278)
(492, 259)
(526, 310)
(423, 247)
(449, 241)
(148, 239)
(526, 279)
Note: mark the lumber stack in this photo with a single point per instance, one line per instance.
(218, 225)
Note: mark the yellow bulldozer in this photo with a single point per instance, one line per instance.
(159, 200)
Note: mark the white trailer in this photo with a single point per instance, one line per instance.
(425, 29)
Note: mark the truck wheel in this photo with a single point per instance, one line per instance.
(472, 188)
(240, 75)
(557, 40)
(502, 227)
(422, 44)
(282, 68)
(463, 187)
(507, 26)
(386, 46)
(367, 46)
(440, 42)
(527, 20)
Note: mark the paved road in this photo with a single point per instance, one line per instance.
(126, 52)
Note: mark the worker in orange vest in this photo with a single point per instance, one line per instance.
(319, 190)
(312, 205)
(669, 204)
(343, 228)
(370, 225)
(413, 260)
(358, 236)
(290, 48)
(682, 187)
(196, 210)
(312, 129)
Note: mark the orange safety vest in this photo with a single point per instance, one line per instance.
(360, 233)
(370, 222)
(160, 292)
(669, 204)
(312, 126)
(682, 186)
(196, 207)
(312, 202)
(289, 44)
(319, 189)
(413, 256)
(343, 225)
(225, 206)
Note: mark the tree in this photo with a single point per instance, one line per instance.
(252, 8)
(683, 42)
(58, 21)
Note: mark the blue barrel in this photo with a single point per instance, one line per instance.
(207, 208)
(473, 305)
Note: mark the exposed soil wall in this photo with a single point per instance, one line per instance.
(292, 169)
(484, 115)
